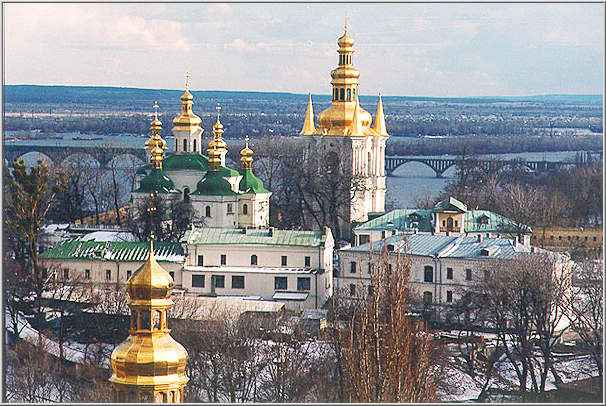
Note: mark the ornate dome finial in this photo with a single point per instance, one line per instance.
(246, 155)
(155, 145)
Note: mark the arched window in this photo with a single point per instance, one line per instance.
(428, 274)
(207, 211)
(184, 145)
(449, 222)
(348, 94)
(354, 92)
(185, 193)
(335, 93)
(427, 297)
(245, 209)
(253, 260)
(195, 145)
(342, 94)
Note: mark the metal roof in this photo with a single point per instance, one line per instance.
(241, 236)
(122, 251)
(440, 246)
(422, 220)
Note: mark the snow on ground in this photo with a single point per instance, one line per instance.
(73, 352)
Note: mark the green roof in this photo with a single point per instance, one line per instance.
(451, 204)
(192, 162)
(250, 183)
(228, 172)
(214, 184)
(400, 219)
(156, 181)
(231, 236)
(123, 251)
(475, 221)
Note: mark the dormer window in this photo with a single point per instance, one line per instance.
(484, 220)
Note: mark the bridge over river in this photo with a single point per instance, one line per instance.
(441, 165)
(115, 153)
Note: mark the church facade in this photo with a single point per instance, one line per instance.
(350, 132)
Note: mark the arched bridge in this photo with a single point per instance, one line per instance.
(440, 165)
(57, 154)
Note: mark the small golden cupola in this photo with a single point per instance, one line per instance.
(155, 145)
(187, 126)
(338, 119)
(217, 142)
(246, 155)
(379, 126)
(149, 366)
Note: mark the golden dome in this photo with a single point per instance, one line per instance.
(156, 145)
(338, 119)
(345, 41)
(187, 96)
(149, 363)
(214, 156)
(186, 118)
(246, 155)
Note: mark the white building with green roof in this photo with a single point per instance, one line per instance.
(290, 266)
(449, 217)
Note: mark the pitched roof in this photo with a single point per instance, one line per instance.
(250, 183)
(451, 204)
(421, 219)
(214, 236)
(123, 251)
(441, 246)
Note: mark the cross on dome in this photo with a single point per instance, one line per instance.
(187, 79)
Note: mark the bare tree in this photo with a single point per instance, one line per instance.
(387, 355)
(584, 307)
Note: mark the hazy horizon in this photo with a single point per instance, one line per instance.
(415, 50)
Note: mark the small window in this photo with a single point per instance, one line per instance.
(389, 268)
(342, 94)
(218, 281)
(364, 239)
(128, 274)
(307, 262)
(87, 274)
(468, 274)
(449, 296)
(348, 94)
(284, 260)
(428, 274)
(172, 275)
(108, 274)
(207, 211)
(223, 259)
(184, 145)
(303, 283)
(253, 260)
(370, 290)
(383, 234)
(200, 260)
(237, 282)
(352, 289)
(195, 146)
(449, 273)
(353, 266)
(595, 238)
(280, 283)
(427, 298)
(443, 223)
(245, 209)
(144, 320)
(197, 281)
(156, 319)
(370, 268)
(456, 223)
(66, 274)
(230, 208)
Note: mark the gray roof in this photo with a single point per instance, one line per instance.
(441, 246)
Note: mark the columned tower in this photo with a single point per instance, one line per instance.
(187, 128)
(149, 366)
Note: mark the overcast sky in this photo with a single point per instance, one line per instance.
(401, 49)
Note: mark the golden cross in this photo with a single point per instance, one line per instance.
(156, 106)
(346, 20)
(246, 141)
(218, 111)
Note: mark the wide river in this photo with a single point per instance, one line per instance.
(408, 182)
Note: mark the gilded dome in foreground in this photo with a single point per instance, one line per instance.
(149, 365)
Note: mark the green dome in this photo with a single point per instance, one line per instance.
(213, 184)
(156, 181)
(228, 172)
(182, 162)
(250, 183)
